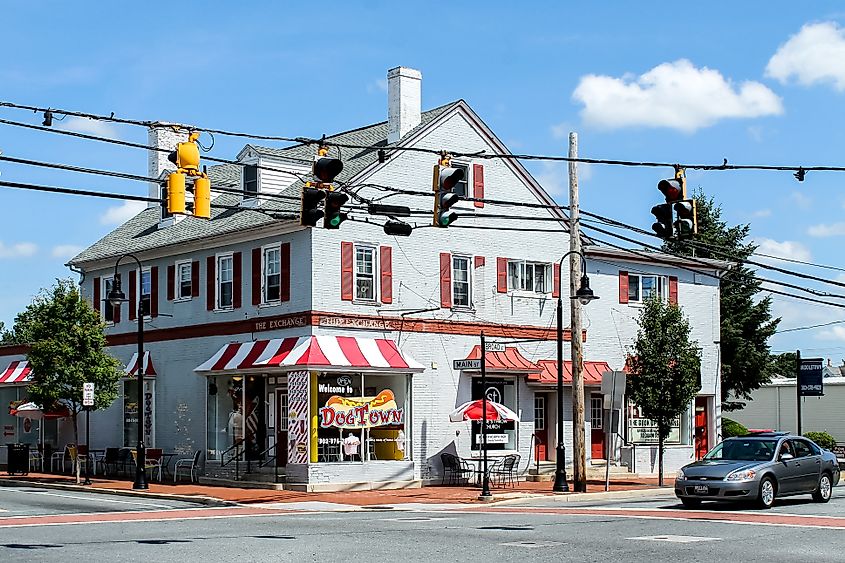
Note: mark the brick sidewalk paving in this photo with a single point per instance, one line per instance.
(430, 494)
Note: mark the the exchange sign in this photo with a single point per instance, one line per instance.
(810, 381)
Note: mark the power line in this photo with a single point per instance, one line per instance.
(808, 327)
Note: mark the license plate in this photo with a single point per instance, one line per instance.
(701, 489)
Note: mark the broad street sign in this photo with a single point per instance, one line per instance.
(87, 394)
(810, 381)
(466, 364)
(494, 347)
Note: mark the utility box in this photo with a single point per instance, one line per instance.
(18, 459)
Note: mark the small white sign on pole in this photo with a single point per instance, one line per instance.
(494, 347)
(87, 394)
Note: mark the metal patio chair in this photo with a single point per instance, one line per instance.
(189, 464)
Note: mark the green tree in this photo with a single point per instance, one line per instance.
(783, 365)
(67, 349)
(746, 322)
(6, 336)
(665, 367)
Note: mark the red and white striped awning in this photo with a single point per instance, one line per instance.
(132, 366)
(326, 353)
(16, 372)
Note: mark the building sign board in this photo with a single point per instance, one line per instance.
(810, 379)
(361, 412)
(642, 430)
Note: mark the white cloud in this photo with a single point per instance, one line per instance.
(119, 214)
(833, 333)
(676, 95)
(88, 126)
(379, 85)
(801, 200)
(787, 249)
(66, 250)
(827, 230)
(17, 250)
(760, 213)
(561, 130)
(816, 54)
(554, 177)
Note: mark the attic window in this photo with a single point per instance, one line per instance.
(250, 176)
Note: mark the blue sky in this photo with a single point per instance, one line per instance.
(753, 82)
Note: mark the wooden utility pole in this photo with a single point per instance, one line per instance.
(579, 454)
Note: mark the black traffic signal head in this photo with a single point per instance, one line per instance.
(672, 188)
(663, 225)
(326, 169)
(449, 178)
(443, 201)
(334, 216)
(687, 224)
(310, 212)
(397, 228)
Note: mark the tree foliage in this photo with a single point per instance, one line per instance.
(665, 366)
(783, 365)
(6, 336)
(746, 322)
(67, 349)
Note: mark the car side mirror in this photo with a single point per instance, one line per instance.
(786, 457)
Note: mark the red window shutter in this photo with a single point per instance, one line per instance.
(154, 291)
(445, 280)
(133, 295)
(171, 283)
(346, 263)
(284, 270)
(478, 184)
(96, 295)
(673, 290)
(479, 261)
(386, 264)
(237, 280)
(623, 287)
(256, 276)
(502, 275)
(116, 311)
(556, 280)
(210, 282)
(195, 278)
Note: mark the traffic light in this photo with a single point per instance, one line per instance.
(326, 169)
(444, 180)
(334, 216)
(663, 225)
(687, 223)
(309, 211)
(187, 159)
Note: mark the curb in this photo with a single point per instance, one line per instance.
(207, 501)
(656, 493)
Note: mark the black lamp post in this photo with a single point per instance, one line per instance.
(116, 297)
(584, 295)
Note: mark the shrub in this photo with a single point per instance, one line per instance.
(823, 439)
(732, 428)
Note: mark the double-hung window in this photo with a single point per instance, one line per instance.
(272, 274)
(534, 277)
(106, 307)
(365, 268)
(145, 291)
(183, 280)
(250, 181)
(461, 294)
(461, 188)
(225, 281)
(642, 287)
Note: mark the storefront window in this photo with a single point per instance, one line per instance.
(500, 435)
(362, 418)
(130, 413)
(235, 412)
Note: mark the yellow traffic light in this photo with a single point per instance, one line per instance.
(202, 198)
(176, 193)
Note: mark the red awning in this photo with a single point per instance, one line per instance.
(548, 375)
(132, 366)
(307, 352)
(508, 361)
(16, 372)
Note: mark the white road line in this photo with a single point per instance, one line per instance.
(47, 493)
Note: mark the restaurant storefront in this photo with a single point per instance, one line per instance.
(332, 410)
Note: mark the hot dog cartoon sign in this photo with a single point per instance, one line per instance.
(361, 412)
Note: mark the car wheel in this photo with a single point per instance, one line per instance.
(824, 490)
(768, 490)
(690, 502)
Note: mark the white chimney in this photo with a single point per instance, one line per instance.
(403, 101)
(162, 136)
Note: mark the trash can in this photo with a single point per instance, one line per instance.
(18, 459)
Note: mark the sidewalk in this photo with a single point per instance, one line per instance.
(228, 495)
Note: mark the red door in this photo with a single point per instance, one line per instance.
(701, 424)
(597, 450)
(541, 435)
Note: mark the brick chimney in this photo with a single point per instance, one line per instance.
(403, 101)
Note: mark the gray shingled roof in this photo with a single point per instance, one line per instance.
(141, 233)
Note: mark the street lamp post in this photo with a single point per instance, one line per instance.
(584, 295)
(116, 297)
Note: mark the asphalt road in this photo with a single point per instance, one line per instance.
(533, 530)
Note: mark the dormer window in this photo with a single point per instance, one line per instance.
(461, 187)
(250, 180)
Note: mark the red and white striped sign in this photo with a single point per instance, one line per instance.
(312, 352)
(16, 372)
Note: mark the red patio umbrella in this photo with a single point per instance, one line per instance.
(472, 410)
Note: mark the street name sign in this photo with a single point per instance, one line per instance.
(466, 364)
(494, 347)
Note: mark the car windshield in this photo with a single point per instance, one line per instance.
(743, 450)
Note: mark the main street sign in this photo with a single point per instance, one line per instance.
(466, 364)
